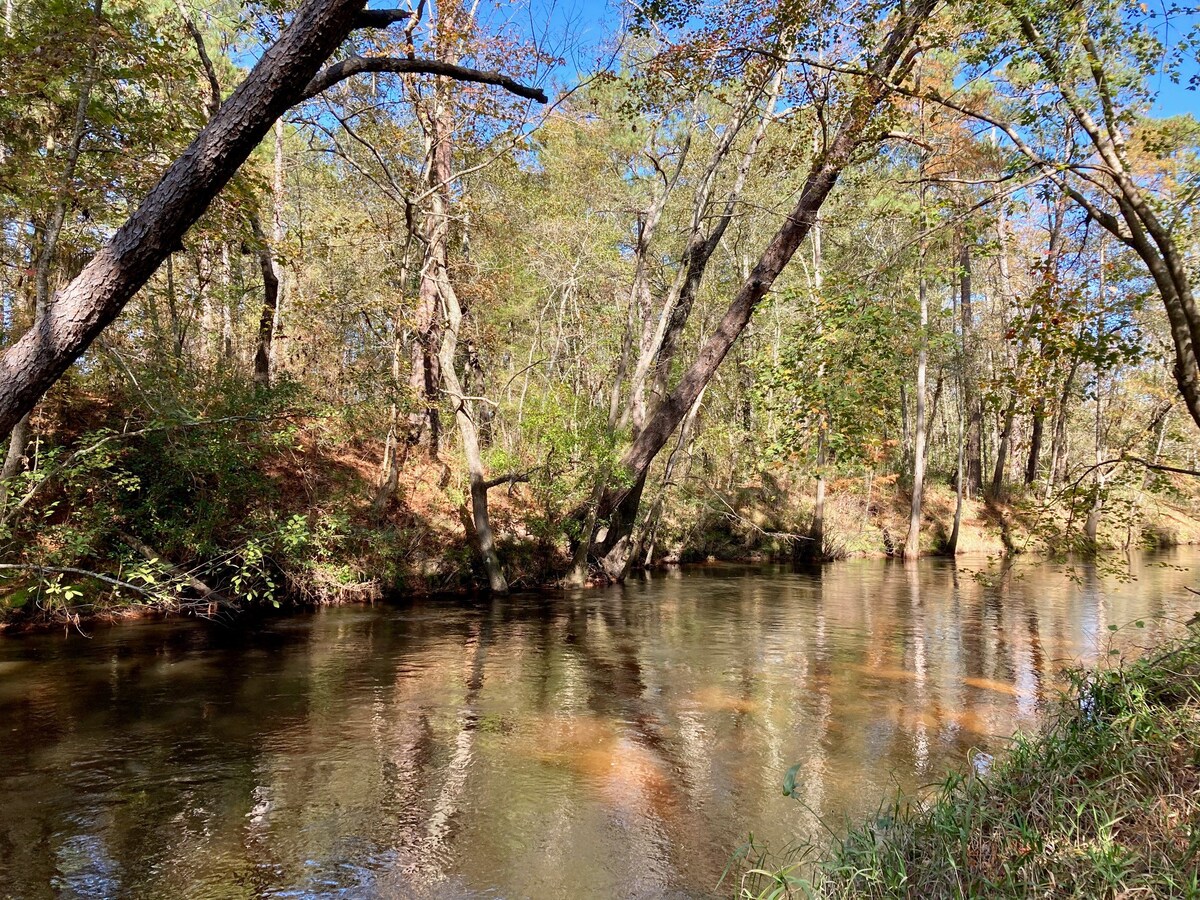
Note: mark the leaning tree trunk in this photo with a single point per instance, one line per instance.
(90, 302)
(659, 344)
(619, 503)
(288, 72)
(1136, 223)
(485, 542)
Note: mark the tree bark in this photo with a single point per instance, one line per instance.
(892, 63)
(272, 271)
(1058, 441)
(658, 351)
(389, 476)
(1035, 442)
(952, 543)
(1003, 440)
(266, 318)
(425, 372)
(285, 74)
(912, 546)
(971, 398)
(440, 299)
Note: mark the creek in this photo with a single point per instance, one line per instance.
(603, 743)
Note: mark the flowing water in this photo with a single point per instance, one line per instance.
(603, 743)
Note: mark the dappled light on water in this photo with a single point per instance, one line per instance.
(605, 743)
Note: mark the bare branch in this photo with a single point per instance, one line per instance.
(356, 65)
(510, 479)
(907, 138)
(153, 556)
(214, 85)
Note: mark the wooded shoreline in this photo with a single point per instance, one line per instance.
(315, 302)
(755, 534)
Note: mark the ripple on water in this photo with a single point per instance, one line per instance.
(609, 743)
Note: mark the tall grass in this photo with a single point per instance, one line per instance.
(1104, 802)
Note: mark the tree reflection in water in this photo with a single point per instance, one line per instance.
(598, 743)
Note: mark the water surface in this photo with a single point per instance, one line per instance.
(604, 743)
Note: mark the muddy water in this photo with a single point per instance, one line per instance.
(608, 743)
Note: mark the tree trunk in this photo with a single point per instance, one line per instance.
(952, 544)
(1058, 441)
(1003, 441)
(285, 74)
(266, 319)
(1035, 442)
(425, 376)
(389, 475)
(1159, 430)
(639, 292)
(912, 546)
(1092, 525)
(659, 351)
(892, 62)
(971, 399)
(272, 271)
(437, 289)
(485, 542)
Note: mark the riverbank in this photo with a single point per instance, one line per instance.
(283, 510)
(1103, 802)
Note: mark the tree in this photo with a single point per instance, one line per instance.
(1096, 60)
(891, 63)
(290, 71)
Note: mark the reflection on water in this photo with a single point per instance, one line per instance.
(614, 743)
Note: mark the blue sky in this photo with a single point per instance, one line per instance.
(1175, 100)
(584, 28)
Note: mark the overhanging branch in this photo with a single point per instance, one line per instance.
(357, 65)
(510, 479)
(380, 18)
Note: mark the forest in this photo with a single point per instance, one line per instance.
(316, 304)
(574, 449)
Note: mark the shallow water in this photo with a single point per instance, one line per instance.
(605, 743)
